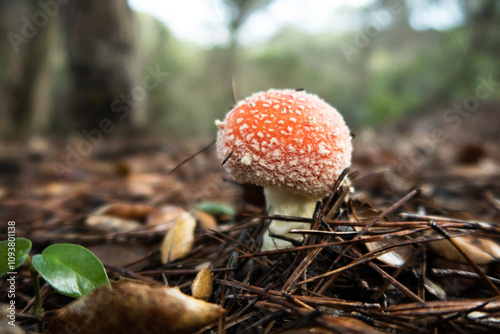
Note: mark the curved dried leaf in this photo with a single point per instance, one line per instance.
(307, 330)
(54, 189)
(163, 218)
(179, 240)
(203, 284)
(119, 217)
(6, 319)
(143, 184)
(125, 210)
(363, 212)
(112, 224)
(135, 308)
(207, 221)
(480, 250)
(341, 325)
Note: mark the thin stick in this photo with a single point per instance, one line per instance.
(233, 86)
(369, 225)
(191, 157)
(387, 284)
(476, 268)
(227, 158)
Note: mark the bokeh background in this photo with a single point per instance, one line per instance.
(168, 68)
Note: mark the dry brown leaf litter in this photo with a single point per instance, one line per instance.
(335, 283)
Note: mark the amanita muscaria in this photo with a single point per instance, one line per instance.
(293, 144)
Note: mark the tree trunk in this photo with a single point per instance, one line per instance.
(25, 93)
(102, 62)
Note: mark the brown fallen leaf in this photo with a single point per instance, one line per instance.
(342, 325)
(7, 319)
(119, 217)
(125, 210)
(163, 218)
(207, 221)
(54, 189)
(480, 250)
(363, 212)
(179, 240)
(135, 308)
(203, 284)
(307, 330)
(112, 223)
(143, 184)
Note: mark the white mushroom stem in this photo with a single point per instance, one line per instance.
(287, 204)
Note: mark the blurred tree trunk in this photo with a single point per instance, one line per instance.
(25, 97)
(102, 61)
(11, 67)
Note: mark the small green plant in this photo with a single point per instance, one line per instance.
(216, 209)
(70, 269)
(13, 254)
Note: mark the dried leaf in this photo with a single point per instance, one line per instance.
(363, 212)
(7, 318)
(179, 240)
(135, 308)
(352, 325)
(54, 189)
(124, 210)
(112, 224)
(207, 221)
(431, 286)
(143, 184)
(163, 218)
(307, 330)
(480, 250)
(203, 284)
(342, 324)
(119, 217)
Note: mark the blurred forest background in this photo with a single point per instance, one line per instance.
(68, 67)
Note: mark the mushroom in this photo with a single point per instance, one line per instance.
(293, 144)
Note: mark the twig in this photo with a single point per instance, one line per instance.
(476, 268)
(369, 225)
(191, 157)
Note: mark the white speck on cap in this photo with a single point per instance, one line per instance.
(246, 160)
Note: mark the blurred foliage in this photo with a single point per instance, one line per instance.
(400, 70)
(376, 72)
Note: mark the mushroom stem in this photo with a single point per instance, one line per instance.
(287, 204)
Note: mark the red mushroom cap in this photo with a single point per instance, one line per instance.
(285, 139)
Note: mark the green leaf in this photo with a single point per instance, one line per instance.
(13, 254)
(216, 208)
(72, 270)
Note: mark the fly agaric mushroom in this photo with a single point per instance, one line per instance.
(293, 144)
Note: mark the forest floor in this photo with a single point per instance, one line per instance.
(414, 248)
